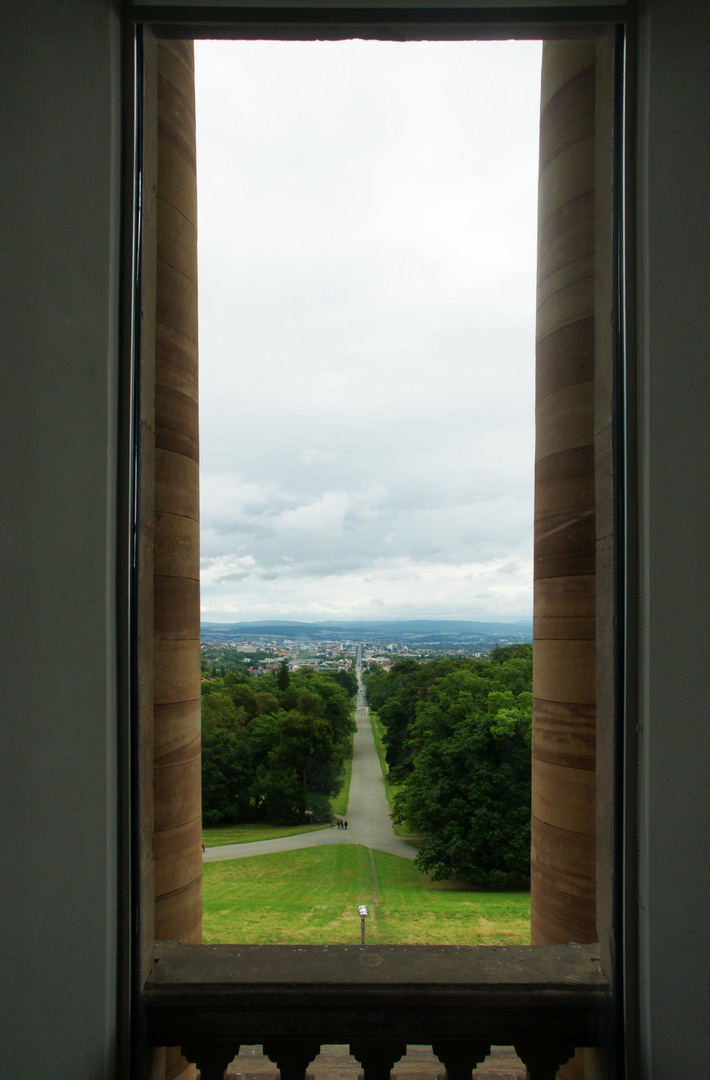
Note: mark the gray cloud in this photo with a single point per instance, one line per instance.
(367, 266)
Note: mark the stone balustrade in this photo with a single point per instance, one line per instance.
(211, 999)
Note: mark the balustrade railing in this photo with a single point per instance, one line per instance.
(212, 999)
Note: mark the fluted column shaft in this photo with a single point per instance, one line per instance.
(564, 680)
(177, 796)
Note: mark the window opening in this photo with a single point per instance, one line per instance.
(598, 313)
(367, 260)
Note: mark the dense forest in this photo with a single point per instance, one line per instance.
(273, 745)
(457, 738)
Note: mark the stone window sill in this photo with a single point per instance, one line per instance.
(211, 999)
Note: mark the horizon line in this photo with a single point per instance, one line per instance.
(391, 619)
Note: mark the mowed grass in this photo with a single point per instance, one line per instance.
(312, 896)
(245, 834)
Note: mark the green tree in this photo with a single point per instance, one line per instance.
(269, 752)
(219, 710)
(468, 788)
(267, 704)
(226, 760)
(284, 678)
(310, 703)
(395, 698)
(305, 741)
(243, 696)
(347, 680)
(336, 707)
(281, 793)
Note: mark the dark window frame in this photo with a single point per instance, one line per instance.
(488, 23)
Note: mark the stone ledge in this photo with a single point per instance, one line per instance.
(334, 994)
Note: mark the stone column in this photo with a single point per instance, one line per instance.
(564, 677)
(177, 796)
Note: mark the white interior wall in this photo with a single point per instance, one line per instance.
(674, 328)
(59, 184)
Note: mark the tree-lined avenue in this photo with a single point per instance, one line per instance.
(368, 815)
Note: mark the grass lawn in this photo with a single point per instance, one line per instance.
(404, 830)
(312, 896)
(245, 834)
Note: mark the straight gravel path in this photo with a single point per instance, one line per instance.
(368, 815)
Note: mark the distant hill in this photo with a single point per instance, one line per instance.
(363, 630)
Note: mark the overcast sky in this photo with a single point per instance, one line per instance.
(367, 231)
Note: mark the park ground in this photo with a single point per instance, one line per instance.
(258, 890)
(312, 896)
